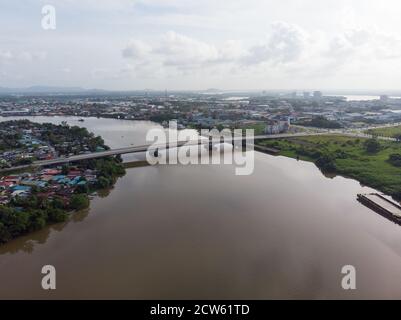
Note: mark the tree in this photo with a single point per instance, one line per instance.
(395, 159)
(82, 189)
(37, 220)
(56, 215)
(58, 203)
(24, 161)
(65, 169)
(35, 189)
(103, 182)
(372, 145)
(16, 222)
(79, 202)
(321, 122)
(4, 233)
(325, 163)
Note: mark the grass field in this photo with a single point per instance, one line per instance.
(349, 157)
(386, 132)
(259, 128)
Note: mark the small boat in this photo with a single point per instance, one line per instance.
(81, 120)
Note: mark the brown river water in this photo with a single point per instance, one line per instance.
(200, 231)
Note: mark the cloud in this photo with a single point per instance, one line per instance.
(23, 56)
(285, 44)
(136, 49)
(26, 56)
(286, 51)
(356, 45)
(66, 70)
(5, 56)
(178, 51)
(386, 46)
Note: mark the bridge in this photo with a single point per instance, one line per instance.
(153, 147)
(200, 141)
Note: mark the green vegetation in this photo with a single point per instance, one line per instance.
(392, 132)
(9, 140)
(373, 163)
(65, 139)
(68, 139)
(162, 117)
(22, 162)
(108, 170)
(79, 202)
(395, 159)
(320, 122)
(37, 209)
(372, 146)
(25, 215)
(259, 128)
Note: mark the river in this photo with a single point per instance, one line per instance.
(200, 231)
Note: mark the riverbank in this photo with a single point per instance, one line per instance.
(263, 235)
(55, 201)
(33, 198)
(348, 157)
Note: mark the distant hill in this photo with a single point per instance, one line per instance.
(212, 90)
(47, 89)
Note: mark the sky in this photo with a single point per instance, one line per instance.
(196, 45)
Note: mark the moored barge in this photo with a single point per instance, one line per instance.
(382, 205)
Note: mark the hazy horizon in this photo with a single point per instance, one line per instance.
(77, 89)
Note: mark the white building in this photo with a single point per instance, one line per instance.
(276, 127)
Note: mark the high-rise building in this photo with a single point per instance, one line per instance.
(306, 95)
(317, 95)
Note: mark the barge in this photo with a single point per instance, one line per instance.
(268, 150)
(382, 205)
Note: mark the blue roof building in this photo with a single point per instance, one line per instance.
(59, 177)
(21, 188)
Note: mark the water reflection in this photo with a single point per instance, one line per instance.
(27, 243)
(201, 232)
(116, 133)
